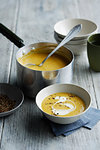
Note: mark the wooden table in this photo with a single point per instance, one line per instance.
(33, 21)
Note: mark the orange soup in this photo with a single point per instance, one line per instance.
(63, 104)
(53, 63)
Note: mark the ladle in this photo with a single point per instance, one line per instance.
(71, 34)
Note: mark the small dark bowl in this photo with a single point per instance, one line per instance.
(13, 93)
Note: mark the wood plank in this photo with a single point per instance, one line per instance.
(96, 81)
(93, 15)
(83, 7)
(5, 46)
(92, 82)
(35, 29)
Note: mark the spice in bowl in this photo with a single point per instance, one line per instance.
(6, 104)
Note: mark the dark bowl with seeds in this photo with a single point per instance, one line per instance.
(11, 98)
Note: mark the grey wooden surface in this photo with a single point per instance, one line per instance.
(33, 21)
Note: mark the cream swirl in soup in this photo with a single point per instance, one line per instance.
(63, 104)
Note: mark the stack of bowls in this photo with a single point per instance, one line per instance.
(79, 43)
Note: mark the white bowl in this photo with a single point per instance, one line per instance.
(76, 46)
(73, 41)
(77, 49)
(70, 88)
(64, 26)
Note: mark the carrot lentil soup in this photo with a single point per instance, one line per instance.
(53, 63)
(63, 104)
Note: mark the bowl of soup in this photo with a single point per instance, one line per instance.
(57, 69)
(63, 103)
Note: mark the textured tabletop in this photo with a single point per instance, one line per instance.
(33, 21)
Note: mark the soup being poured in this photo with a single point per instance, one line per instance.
(53, 63)
(63, 105)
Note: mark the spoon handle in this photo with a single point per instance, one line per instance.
(68, 37)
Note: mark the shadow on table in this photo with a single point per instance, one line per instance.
(37, 125)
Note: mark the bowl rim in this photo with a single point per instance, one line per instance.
(66, 116)
(79, 36)
(2, 114)
(72, 42)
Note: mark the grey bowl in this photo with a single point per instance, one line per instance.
(13, 93)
